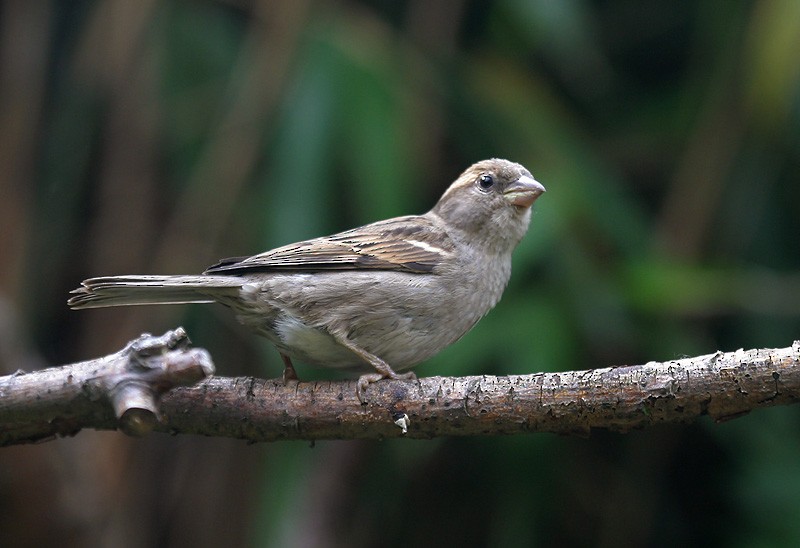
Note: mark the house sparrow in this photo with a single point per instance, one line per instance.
(382, 297)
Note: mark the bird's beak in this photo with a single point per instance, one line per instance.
(523, 192)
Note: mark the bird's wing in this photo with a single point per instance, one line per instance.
(410, 244)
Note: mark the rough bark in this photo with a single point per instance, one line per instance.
(121, 390)
(61, 401)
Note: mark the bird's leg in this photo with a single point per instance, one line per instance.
(289, 374)
(383, 370)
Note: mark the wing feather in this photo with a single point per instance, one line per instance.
(411, 244)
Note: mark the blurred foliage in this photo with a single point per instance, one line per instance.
(142, 137)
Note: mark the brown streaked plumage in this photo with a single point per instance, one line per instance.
(356, 248)
(385, 296)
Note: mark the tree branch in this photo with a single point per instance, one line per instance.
(117, 391)
(61, 401)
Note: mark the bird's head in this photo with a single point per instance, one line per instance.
(491, 202)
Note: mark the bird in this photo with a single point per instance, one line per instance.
(378, 299)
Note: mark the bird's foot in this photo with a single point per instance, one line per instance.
(289, 373)
(365, 380)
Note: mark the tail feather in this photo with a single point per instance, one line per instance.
(140, 290)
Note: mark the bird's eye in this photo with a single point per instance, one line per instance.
(485, 182)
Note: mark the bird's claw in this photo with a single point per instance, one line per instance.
(365, 380)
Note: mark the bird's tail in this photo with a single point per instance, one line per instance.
(134, 290)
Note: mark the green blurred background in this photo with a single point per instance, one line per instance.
(159, 136)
